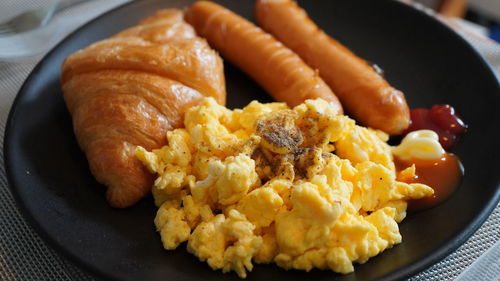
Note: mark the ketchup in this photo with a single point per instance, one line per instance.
(442, 119)
(443, 175)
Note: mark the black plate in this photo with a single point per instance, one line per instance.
(49, 175)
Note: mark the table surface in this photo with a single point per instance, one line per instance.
(25, 256)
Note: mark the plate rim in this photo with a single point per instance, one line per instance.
(458, 238)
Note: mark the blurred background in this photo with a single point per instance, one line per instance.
(476, 20)
(480, 16)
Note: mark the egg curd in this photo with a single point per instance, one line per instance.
(300, 187)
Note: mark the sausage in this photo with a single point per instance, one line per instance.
(364, 93)
(280, 71)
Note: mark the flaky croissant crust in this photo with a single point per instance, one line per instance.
(131, 89)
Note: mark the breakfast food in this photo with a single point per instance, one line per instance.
(302, 187)
(364, 93)
(422, 152)
(442, 119)
(276, 68)
(130, 90)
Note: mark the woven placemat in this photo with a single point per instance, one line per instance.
(24, 256)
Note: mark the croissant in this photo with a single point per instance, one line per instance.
(131, 89)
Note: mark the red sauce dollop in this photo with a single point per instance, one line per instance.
(443, 175)
(442, 119)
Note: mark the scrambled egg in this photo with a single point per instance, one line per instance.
(300, 187)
